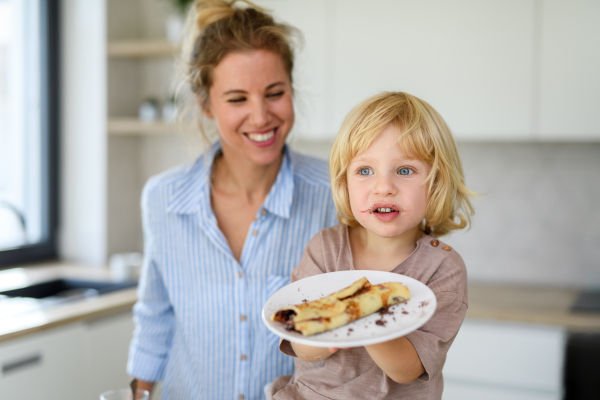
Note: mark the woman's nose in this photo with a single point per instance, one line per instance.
(259, 114)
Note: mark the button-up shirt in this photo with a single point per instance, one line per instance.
(198, 315)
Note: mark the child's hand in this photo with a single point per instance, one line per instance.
(335, 349)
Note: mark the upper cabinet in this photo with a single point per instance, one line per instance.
(471, 60)
(569, 74)
(514, 70)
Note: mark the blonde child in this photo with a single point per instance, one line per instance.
(398, 185)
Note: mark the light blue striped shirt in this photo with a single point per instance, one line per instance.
(198, 322)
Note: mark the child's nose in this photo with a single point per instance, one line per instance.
(384, 185)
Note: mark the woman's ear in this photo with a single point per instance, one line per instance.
(205, 107)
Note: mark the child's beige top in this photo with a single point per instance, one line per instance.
(352, 374)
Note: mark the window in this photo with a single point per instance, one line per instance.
(28, 130)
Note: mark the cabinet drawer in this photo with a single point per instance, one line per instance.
(509, 355)
(43, 365)
(469, 391)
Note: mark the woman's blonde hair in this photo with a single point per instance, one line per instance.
(215, 28)
(423, 135)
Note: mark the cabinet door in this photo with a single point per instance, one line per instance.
(105, 347)
(505, 361)
(471, 60)
(313, 65)
(570, 77)
(45, 365)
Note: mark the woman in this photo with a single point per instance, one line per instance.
(222, 235)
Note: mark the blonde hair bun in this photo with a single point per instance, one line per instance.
(210, 11)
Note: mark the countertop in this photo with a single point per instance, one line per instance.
(14, 324)
(537, 305)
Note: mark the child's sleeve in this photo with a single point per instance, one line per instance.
(311, 263)
(433, 339)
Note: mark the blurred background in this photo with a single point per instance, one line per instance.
(517, 81)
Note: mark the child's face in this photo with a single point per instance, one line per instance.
(387, 190)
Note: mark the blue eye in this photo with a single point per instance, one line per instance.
(365, 171)
(405, 171)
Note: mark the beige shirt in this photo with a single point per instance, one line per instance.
(352, 374)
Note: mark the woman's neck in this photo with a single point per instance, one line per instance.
(237, 176)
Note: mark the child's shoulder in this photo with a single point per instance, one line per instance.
(438, 249)
(439, 262)
(333, 235)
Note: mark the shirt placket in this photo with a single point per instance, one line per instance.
(244, 317)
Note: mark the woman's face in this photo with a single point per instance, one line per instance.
(251, 102)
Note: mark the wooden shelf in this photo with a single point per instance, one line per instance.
(133, 126)
(141, 49)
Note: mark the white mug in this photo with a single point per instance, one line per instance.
(125, 266)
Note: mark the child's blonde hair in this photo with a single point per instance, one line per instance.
(423, 135)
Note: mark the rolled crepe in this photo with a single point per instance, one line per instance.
(342, 307)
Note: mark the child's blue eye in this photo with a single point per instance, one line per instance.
(365, 171)
(405, 171)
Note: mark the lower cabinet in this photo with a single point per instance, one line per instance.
(45, 365)
(505, 361)
(77, 361)
(105, 348)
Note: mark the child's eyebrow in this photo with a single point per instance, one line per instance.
(361, 159)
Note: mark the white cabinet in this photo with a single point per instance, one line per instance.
(105, 348)
(570, 73)
(43, 365)
(72, 362)
(508, 361)
(495, 70)
(460, 56)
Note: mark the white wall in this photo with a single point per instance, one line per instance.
(82, 234)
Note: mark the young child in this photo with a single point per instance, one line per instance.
(398, 185)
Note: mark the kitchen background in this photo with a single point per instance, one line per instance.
(518, 82)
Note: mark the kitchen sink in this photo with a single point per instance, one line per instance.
(66, 288)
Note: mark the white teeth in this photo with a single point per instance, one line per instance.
(261, 137)
(384, 210)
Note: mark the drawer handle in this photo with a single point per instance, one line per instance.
(19, 364)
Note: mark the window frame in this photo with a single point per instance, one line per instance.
(49, 130)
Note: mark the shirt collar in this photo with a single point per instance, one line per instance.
(192, 190)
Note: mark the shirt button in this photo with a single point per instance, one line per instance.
(243, 357)
(263, 211)
(242, 318)
(240, 274)
(435, 243)
(447, 248)
(241, 396)
(255, 232)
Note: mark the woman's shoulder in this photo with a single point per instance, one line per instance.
(175, 177)
(312, 170)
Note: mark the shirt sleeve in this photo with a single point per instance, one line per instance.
(432, 341)
(152, 314)
(310, 264)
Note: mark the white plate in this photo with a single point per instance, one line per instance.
(406, 317)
